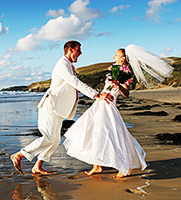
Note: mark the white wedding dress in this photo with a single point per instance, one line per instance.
(101, 137)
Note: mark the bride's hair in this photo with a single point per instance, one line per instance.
(123, 50)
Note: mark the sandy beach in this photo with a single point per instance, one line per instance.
(152, 112)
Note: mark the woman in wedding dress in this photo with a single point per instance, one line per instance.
(100, 136)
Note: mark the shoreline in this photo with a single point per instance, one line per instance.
(164, 94)
(160, 180)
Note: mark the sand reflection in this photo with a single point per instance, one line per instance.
(42, 186)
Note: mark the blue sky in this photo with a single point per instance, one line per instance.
(33, 32)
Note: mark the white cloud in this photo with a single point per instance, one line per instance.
(79, 8)
(22, 75)
(177, 20)
(105, 33)
(61, 28)
(5, 63)
(5, 56)
(33, 73)
(119, 8)
(29, 43)
(3, 30)
(54, 13)
(13, 51)
(26, 58)
(164, 55)
(168, 49)
(167, 52)
(77, 25)
(28, 78)
(19, 67)
(153, 13)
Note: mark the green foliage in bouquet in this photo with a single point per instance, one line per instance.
(120, 73)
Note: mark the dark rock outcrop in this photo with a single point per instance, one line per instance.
(159, 113)
(177, 118)
(66, 125)
(15, 88)
(167, 138)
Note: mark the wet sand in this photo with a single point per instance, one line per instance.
(165, 94)
(161, 179)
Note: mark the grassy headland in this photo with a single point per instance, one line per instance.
(94, 76)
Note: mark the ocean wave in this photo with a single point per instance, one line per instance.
(19, 96)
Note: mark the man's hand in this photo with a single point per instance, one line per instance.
(105, 96)
(116, 84)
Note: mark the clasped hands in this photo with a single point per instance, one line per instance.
(116, 84)
(107, 96)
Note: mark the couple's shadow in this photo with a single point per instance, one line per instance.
(156, 170)
(163, 169)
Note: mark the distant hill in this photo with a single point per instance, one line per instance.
(94, 75)
(41, 86)
(34, 87)
(176, 79)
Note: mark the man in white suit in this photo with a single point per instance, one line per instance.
(59, 102)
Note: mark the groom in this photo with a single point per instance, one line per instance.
(59, 102)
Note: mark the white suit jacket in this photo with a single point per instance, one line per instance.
(63, 87)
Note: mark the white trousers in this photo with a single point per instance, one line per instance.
(49, 124)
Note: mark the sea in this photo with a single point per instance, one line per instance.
(18, 120)
(19, 110)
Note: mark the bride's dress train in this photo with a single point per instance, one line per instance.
(100, 137)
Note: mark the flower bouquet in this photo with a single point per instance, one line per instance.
(121, 74)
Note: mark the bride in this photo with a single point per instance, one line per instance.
(100, 136)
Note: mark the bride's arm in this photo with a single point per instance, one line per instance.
(122, 87)
(124, 90)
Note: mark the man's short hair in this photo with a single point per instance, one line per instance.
(71, 44)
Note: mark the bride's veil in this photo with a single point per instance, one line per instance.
(148, 68)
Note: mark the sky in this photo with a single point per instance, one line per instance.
(33, 32)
